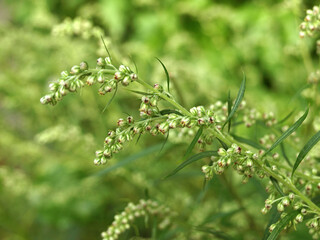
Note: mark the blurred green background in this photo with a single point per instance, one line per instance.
(49, 187)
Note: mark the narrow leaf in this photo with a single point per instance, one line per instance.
(275, 215)
(282, 224)
(193, 159)
(286, 117)
(229, 110)
(248, 142)
(238, 100)
(168, 111)
(287, 133)
(105, 46)
(309, 145)
(216, 233)
(194, 141)
(166, 71)
(139, 92)
(223, 144)
(276, 185)
(110, 101)
(165, 141)
(283, 151)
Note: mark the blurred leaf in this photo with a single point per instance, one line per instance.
(237, 101)
(229, 110)
(282, 224)
(218, 234)
(309, 145)
(220, 215)
(275, 215)
(223, 144)
(287, 133)
(130, 159)
(191, 160)
(286, 117)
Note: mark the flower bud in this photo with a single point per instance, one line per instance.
(120, 122)
(84, 66)
(75, 69)
(125, 81)
(96, 161)
(118, 76)
(299, 218)
(101, 62)
(222, 152)
(280, 207)
(101, 77)
(64, 74)
(91, 80)
(158, 87)
(133, 77)
(130, 120)
(285, 202)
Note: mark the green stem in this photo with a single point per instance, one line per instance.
(165, 97)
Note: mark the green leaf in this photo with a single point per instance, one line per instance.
(105, 46)
(309, 145)
(109, 102)
(282, 224)
(194, 141)
(229, 110)
(165, 141)
(216, 233)
(130, 159)
(248, 142)
(286, 117)
(238, 100)
(166, 71)
(283, 151)
(139, 92)
(276, 185)
(275, 215)
(287, 133)
(223, 144)
(191, 160)
(168, 111)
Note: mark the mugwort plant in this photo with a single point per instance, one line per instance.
(293, 190)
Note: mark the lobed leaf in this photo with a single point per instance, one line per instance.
(237, 101)
(287, 133)
(309, 145)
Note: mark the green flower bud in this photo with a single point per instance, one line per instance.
(299, 218)
(280, 207)
(120, 122)
(264, 211)
(84, 66)
(133, 77)
(222, 152)
(75, 69)
(153, 102)
(117, 76)
(108, 61)
(101, 62)
(272, 227)
(285, 202)
(64, 74)
(91, 80)
(125, 81)
(101, 77)
(96, 161)
(158, 87)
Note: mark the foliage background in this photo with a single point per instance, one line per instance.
(49, 187)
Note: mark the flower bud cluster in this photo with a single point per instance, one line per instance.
(107, 75)
(243, 163)
(77, 27)
(148, 107)
(144, 208)
(157, 124)
(311, 22)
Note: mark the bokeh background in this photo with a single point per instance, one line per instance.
(49, 187)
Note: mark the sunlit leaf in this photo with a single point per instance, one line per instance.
(167, 74)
